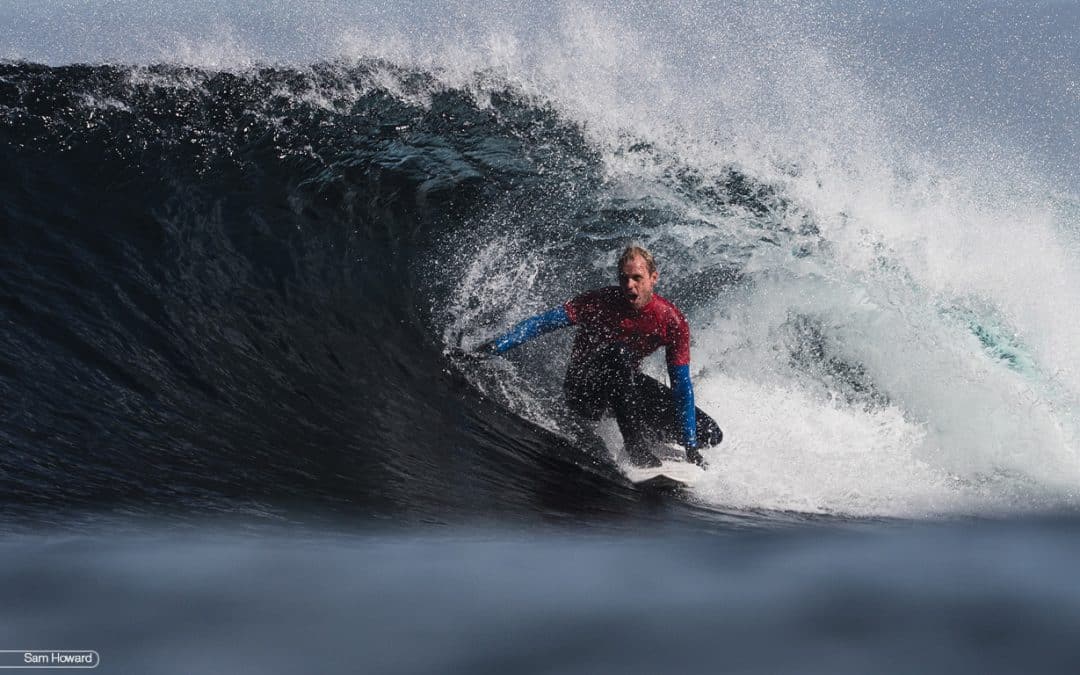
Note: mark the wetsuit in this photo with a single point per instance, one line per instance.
(603, 373)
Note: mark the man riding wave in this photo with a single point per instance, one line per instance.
(618, 327)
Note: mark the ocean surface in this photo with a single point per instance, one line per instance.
(239, 239)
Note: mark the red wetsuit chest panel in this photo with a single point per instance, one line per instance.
(604, 316)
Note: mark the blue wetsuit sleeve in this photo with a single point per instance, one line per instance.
(683, 392)
(530, 328)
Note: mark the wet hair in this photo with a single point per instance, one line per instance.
(636, 251)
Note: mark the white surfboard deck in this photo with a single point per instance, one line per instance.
(685, 473)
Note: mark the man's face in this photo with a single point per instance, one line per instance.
(636, 282)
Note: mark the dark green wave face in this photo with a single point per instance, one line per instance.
(212, 287)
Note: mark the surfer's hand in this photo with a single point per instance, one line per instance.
(482, 353)
(485, 350)
(692, 455)
(461, 356)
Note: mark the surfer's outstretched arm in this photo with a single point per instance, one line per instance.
(526, 330)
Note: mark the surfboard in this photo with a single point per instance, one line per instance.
(670, 475)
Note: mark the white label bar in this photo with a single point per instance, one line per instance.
(49, 658)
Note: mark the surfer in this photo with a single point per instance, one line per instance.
(619, 327)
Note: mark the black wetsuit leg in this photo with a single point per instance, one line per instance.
(590, 382)
(605, 380)
(643, 407)
(649, 413)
